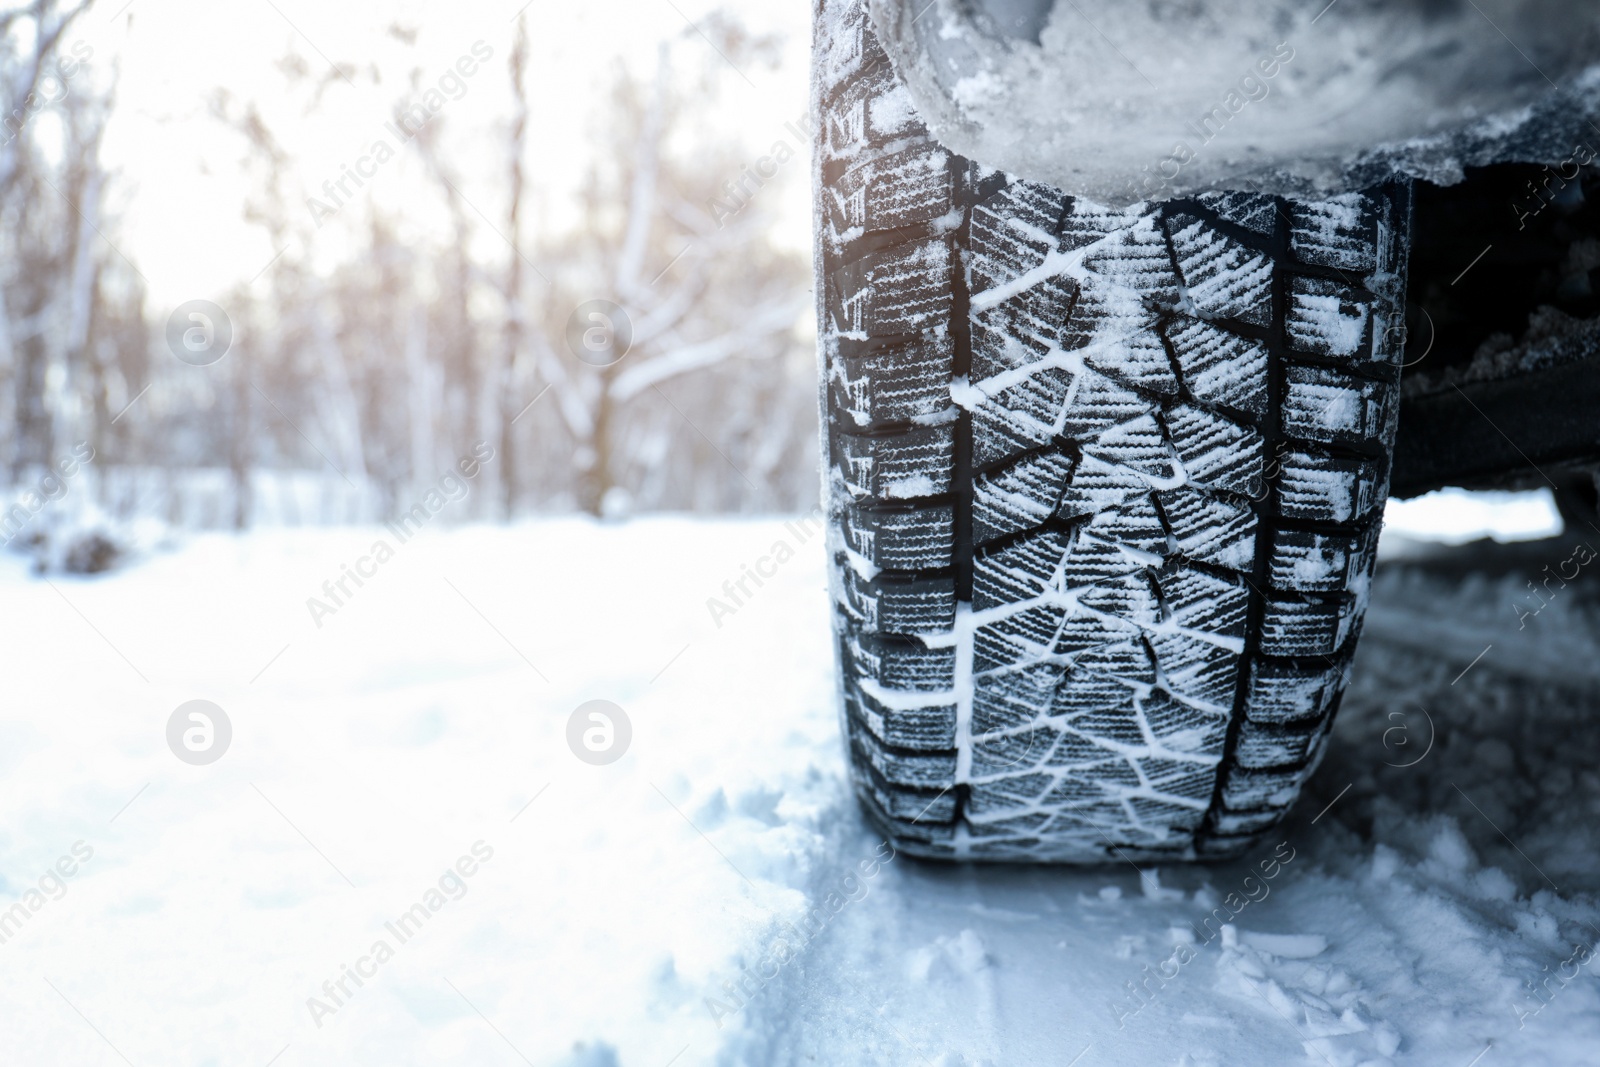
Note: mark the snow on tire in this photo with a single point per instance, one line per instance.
(1104, 486)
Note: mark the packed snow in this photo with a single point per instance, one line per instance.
(1124, 102)
(713, 896)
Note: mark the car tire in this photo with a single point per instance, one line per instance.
(1104, 486)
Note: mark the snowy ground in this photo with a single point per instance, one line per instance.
(632, 913)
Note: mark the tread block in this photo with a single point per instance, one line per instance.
(1233, 831)
(1003, 795)
(1018, 827)
(1253, 211)
(1126, 282)
(898, 291)
(1131, 598)
(1012, 234)
(1019, 416)
(1137, 358)
(1112, 727)
(1251, 790)
(1220, 367)
(1132, 268)
(1180, 727)
(1018, 497)
(1080, 630)
(1020, 637)
(1096, 403)
(1312, 486)
(1086, 224)
(1019, 571)
(1332, 408)
(1014, 331)
(1197, 670)
(1097, 485)
(1223, 278)
(1305, 626)
(1079, 752)
(895, 383)
(1006, 245)
(1315, 562)
(1341, 232)
(907, 188)
(1211, 528)
(904, 465)
(903, 725)
(1203, 601)
(1095, 798)
(1130, 662)
(1328, 319)
(1013, 698)
(914, 815)
(1009, 754)
(1182, 779)
(1133, 524)
(1033, 205)
(1269, 745)
(1091, 560)
(921, 770)
(901, 538)
(1175, 819)
(900, 604)
(1283, 693)
(1216, 452)
(1140, 444)
(903, 664)
(874, 109)
(845, 41)
(1085, 688)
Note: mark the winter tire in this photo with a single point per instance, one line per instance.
(1104, 486)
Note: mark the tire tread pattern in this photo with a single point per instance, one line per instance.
(1105, 486)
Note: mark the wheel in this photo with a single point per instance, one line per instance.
(1104, 486)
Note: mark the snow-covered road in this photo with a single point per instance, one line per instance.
(713, 896)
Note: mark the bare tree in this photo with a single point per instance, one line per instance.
(50, 230)
(515, 321)
(369, 376)
(703, 297)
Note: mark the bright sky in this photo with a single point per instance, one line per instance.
(181, 191)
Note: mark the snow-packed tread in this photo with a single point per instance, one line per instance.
(1105, 486)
